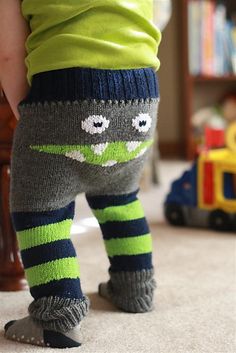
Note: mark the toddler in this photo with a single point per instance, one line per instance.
(87, 108)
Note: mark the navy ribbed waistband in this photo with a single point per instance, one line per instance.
(85, 83)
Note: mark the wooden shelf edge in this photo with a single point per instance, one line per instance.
(205, 78)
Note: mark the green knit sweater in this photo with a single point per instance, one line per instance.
(102, 34)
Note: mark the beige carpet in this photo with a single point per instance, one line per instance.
(195, 301)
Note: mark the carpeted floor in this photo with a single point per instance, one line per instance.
(195, 301)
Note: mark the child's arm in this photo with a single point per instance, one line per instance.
(13, 33)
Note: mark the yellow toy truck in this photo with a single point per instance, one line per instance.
(205, 195)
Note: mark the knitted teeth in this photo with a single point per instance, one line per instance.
(99, 148)
(77, 155)
(141, 152)
(105, 154)
(132, 145)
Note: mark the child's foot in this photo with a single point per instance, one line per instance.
(130, 291)
(26, 330)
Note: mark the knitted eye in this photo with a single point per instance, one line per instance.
(95, 124)
(142, 122)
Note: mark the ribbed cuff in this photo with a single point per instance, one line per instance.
(59, 314)
(85, 83)
(132, 291)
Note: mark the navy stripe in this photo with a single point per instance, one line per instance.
(101, 202)
(64, 288)
(47, 252)
(27, 220)
(131, 262)
(124, 229)
(154, 85)
(58, 340)
(77, 83)
(141, 84)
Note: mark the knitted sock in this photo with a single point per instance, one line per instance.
(26, 330)
(129, 247)
(52, 271)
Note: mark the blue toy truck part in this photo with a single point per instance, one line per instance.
(184, 190)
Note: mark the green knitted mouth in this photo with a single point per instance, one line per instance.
(104, 154)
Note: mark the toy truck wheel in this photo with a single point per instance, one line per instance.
(174, 215)
(219, 220)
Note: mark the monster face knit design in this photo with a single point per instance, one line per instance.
(105, 154)
(51, 134)
(116, 152)
(97, 144)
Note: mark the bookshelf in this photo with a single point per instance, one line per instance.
(199, 90)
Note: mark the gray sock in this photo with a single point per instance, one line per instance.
(130, 291)
(53, 322)
(27, 330)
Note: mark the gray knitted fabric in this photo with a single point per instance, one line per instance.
(53, 321)
(28, 331)
(50, 166)
(130, 291)
(61, 149)
(59, 314)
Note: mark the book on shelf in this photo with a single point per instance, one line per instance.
(211, 39)
(234, 49)
(194, 37)
(207, 38)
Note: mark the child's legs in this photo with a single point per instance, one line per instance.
(90, 136)
(129, 248)
(43, 188)
(51, 266)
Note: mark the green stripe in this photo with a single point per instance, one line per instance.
(44, 234)
(128, 212)
(129, 246)
(54, 270)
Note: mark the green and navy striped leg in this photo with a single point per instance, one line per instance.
(128, 244)
(52, 271)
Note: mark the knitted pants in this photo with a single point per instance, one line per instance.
(83, 131)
